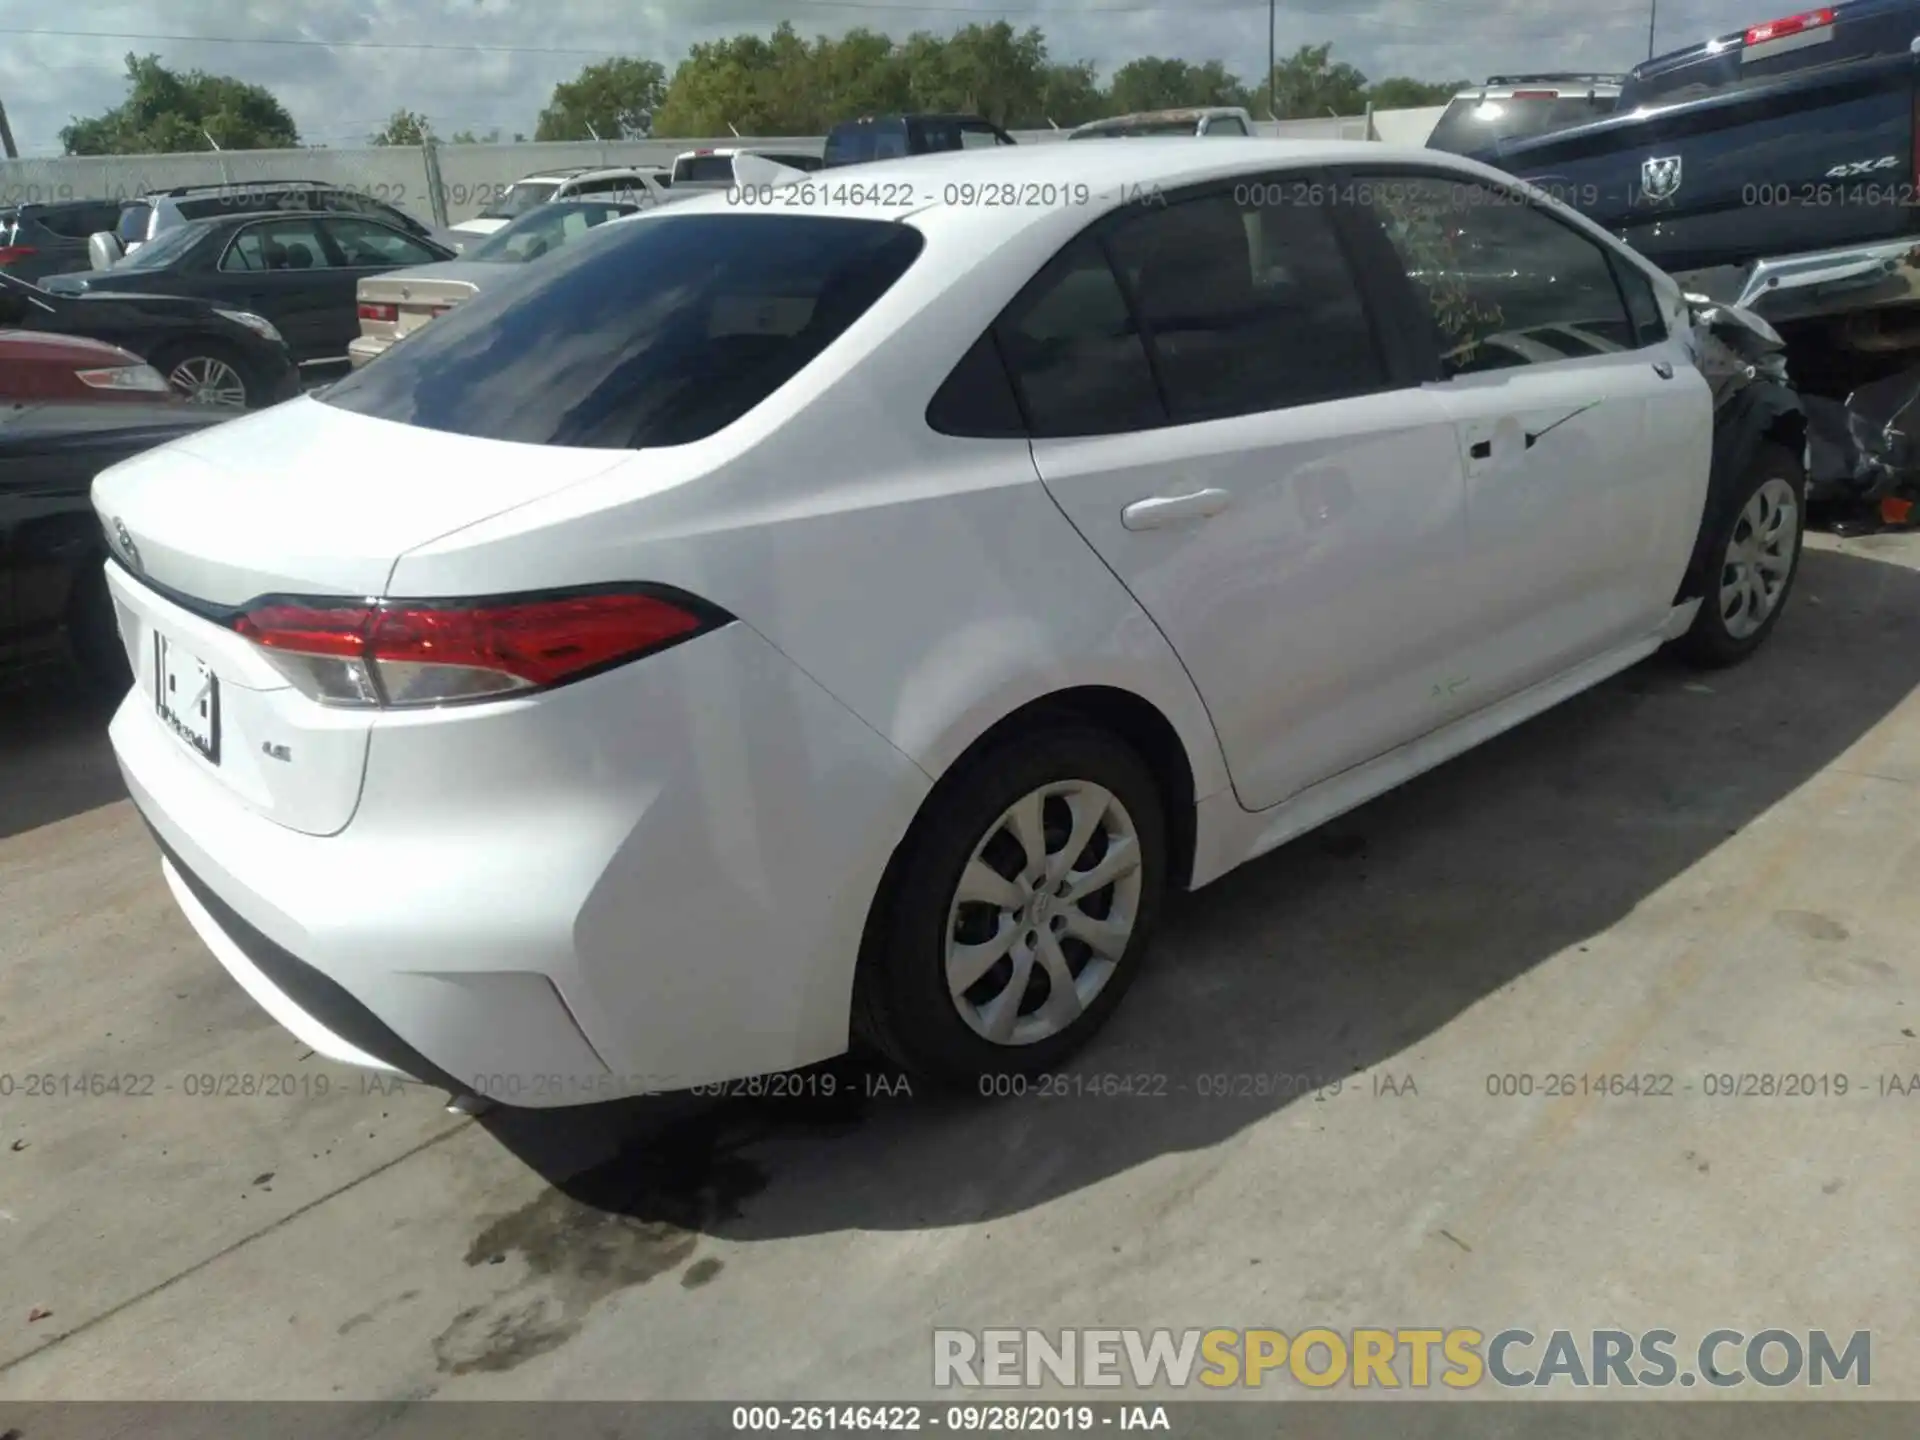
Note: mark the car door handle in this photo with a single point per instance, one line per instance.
(1160, 510)
(1663, 368)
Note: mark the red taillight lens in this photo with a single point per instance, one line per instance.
(388, 313)
(9, 254)
(408, 653)
(1791, 25)
(1536, 94)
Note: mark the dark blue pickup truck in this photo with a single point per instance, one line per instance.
(1773, 167)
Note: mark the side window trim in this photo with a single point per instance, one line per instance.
(1621, 267)
(1388, 170)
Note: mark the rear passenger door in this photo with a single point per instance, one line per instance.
(1216, 411)
(1583, 426)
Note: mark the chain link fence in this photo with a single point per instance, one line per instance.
(444, 184)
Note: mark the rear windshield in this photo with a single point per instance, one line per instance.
(657, 331)
(1471, 125)
(699, 169)
(857, 144)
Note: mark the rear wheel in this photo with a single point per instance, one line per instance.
(206, 372)
(1018, 911)
(1750, 557)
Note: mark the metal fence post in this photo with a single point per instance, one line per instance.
(436, 191)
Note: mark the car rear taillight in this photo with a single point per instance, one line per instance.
(388, 313)
(391, 654)
(13, 254)
(1791, 25)
(1536, 95)
(125, 377)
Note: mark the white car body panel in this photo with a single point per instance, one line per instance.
(659, 876)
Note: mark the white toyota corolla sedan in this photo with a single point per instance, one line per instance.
(846, 611)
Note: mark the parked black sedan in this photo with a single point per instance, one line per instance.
(53, 587)
(214, 356)
(298, 270)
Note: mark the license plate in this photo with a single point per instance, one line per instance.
(187, 695)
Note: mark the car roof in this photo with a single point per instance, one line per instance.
(919, 185)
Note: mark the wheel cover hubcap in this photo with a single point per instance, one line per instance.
(204, 380)
(1759, 559)
(1043, 913)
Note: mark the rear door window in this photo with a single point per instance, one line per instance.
(659, 332)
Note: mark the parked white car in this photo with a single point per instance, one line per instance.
(634, 186)
(757, 626)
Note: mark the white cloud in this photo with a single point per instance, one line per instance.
(339, 92)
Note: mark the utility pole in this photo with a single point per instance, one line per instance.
(1653, 17)
(1272, 60)
(6, 134)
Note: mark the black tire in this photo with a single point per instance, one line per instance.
(172, 357)
(901, 1001)
(93, 634)
(1710, 643)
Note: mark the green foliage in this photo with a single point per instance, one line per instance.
(1309, 83)
(407, 127)
(167, 112)
(616, 99)
(1151, 83)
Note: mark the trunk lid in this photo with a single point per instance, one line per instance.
(306, 500)
(416, 296)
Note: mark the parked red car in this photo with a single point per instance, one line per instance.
(38, 366)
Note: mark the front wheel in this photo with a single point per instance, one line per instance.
(1017, 912)
(1751, 555)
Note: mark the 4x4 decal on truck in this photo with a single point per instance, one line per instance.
(1862, 167)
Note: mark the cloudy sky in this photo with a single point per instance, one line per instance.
(343, 66)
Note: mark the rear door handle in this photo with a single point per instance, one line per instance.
(1663, 368)
(1161, 510)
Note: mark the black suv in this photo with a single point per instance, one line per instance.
(39, 240)
(151, 216)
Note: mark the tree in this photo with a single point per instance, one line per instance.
(1152, 83)
(987, 70)
(1397, 92)
(166, 112)
(1070, 95)
(467, 137)
(407, 127)
(1310, 84)
(616, 100)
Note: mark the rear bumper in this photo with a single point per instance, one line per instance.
(653, 879)
(364, 347)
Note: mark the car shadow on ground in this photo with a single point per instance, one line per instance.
(55, 761)
(1332, 955)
